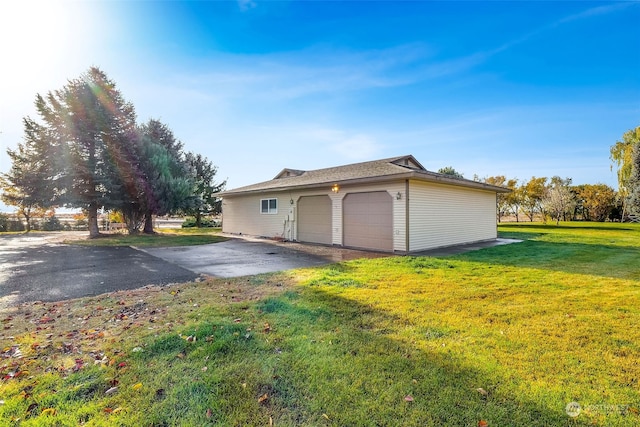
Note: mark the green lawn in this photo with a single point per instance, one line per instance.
(164, 238)
(505, 336)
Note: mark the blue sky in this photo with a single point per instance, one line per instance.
(490, 88)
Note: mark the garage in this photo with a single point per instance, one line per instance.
(387, 205)
(368, 220)
(314, 219)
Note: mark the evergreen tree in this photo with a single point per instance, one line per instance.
(25, 185)
(205, 201)
(166, 185)
(451, 172)
(85, 140)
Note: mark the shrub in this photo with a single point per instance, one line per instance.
(14, 225)
(190, 222)
(52, 224)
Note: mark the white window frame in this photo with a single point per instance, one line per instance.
(270, 210)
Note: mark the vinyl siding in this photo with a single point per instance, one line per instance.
(444, 215)
(241, 213)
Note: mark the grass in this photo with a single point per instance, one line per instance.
(504, 336)
(168, 237)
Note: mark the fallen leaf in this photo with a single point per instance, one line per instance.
(482, 391)
(118, 409)
(326, 416)
(108, 410)
(22, 373)
(209, 413)
(408, 398)
(137, 386)
(48, 411)
(111, 390)
(32, 407)
(483, 423)
(263, 398)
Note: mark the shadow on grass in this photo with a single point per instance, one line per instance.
(337, 363)
(601, 260)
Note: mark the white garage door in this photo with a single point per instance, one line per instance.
(314, 219)
(368, 220)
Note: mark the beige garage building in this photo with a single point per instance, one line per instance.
(392, 205)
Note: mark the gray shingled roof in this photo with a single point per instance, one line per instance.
(402, 167)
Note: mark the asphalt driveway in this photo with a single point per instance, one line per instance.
(32, 268)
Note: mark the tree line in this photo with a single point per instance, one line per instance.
(87, 151)
(556, 198)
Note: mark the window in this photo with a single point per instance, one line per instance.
(269, 206)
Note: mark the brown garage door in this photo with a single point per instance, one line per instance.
(314, 219)
(368, 220)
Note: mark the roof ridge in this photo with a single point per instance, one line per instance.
(386, 160)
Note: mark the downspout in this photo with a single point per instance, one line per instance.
(406, 211)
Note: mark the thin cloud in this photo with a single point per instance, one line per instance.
(595, 11)
(247, 5)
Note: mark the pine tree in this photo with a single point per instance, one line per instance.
(166, 186)
(26, 184)
(86, 135)
(203, 172)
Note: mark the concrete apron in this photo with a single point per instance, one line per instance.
(248, 256)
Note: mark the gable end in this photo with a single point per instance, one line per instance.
(409, 162)
(286, 173)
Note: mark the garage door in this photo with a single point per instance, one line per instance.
(314, 219)
(368, 220)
